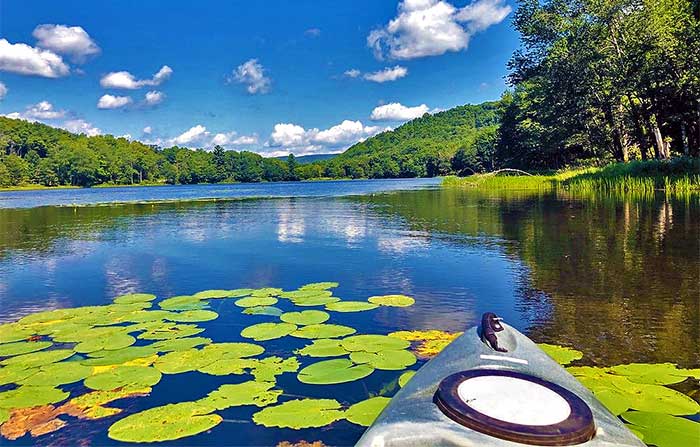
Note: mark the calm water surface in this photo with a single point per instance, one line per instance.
(616, 278)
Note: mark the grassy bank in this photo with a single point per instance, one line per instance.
(678, 176)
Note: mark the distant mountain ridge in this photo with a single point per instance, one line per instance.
(304, 159)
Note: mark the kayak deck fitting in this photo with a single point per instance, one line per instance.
(493, 386)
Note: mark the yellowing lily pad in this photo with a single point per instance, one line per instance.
(134, 298)
(663, 430)
(253, 301)
(40, 358)
(351, 306)
(364, 413)
(319, 286)
(305, 294)
(315, 301)
(168, 332)
(430, 343)
(263, 310)
(58, 374)
(333, 371)
(268, 368)
(13, 332)
(561, 354)
(179, 344)
(266, 291)
(31, 396)
(386, 359)
(323, 348)
(15, 374)
(305, 317)
(314, 331)
(298, 414)
(252, 392)
(23, 347)
(232, 350)
(165, 423)
(183, 361)
(119, 356)
(134, 376)
(392, 300)
(268, 331)
(373, 343)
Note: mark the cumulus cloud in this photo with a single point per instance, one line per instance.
(3, 90)
(301, 141)
(81, 126)
(148, 130)
(312, 32)
(396, 111)
(154, 97)
(434, 27)
(388, 74)
(70, 40)
(192, 135)
(252, 74)
(352, 73)
(233, 139)
(43, 110)
(126, 80)
(113, 102)
(199, 136)
(26, 60)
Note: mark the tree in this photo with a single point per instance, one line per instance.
(17, 169)
(292, 168)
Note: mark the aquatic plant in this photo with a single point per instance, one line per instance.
(302, 413)
(333, 371)
(391, 359)
(268, 331)
(405, 377)
(427, 344)
(561, 354)
(305, 318)
(373, 343)
(365, 412)
(121, 376)
(351, 306)
(254, 301)
(315, 331)
(323, 347)
(263, 310)
(392, 300)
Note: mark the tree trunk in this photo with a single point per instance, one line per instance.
(639, 129)
(619, 151)
(684, 140)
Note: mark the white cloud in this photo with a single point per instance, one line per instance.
(154, 97)
(312, 32)
(252, 74)
(22, 59)
(347, 132)
(352, 73)
(125, 80)
(71, 40)
(232, 139)
(388, 74)
(81, 126)
(301, 141)
(43, 110)
(434, 27)
(113, 102)
(398, 112)
(148, 130)
(191, 136)
(287, 135)
(3, 90)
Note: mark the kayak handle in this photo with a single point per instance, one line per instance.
(490, 324)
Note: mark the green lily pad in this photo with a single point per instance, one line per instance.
(166, 423)
(298, 414)
(179, 344)
(58, 374)
(207, 294)
(351, 306)
(134, 298)
(184, 361)
(561, 354)
(319, 286)
(266, 291)
(184, 302)
(252, 392)
(268, 368)
(263, 310)
(386, 360)
(268, 331)
(405, 377)
(333, 371)
(314, 331)
(225, 367)
(233, 350)
(663, 430)
(148, 316)
(110, 342)
(392, 300)
(140, 376)
(305, 317)
(15, 374)
(23, 347)
(13, 332)
(238, 293)
(323, 347)
(253, 301)
(31, 396)
(119, 356)
(315, 301)
(653, 374)
(305, 294)
(373, 343)
(40, 358)
(364, 413)
(166, 333)
(4, 415)
(191, 316)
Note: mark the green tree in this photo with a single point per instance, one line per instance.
(292, 168)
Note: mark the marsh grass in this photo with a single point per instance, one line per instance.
(679, 176)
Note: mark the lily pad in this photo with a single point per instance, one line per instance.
(119, 356)
(319, 286)
(561, 354)
(253, 301)
(13, 332)
(663, 430)
(305, 317)
(351, 306)
(373, 343)
(430, 343)
(364, 413)
(268, 368)
(191, 316)
(314, 331)
(15, 374)
(91, 405)
(225, 367)
(166, 423)
(305, 294)
(263, 310)
(315, 301)
(207, 294)
(4, 415)
(386, 360)
(183, 361)
(134, 298)
(252, 392)
(268, 331)
(23, 347)
(238, 293)
(118, 340)
(135, 376)
(31, 396)
(302, 413)
(58, 374)
(333, 371)
(392, 300)
(654, 374)
(168, 332)
(233, 350)
(323, 348)
(185, 302)
(40, 358)
(266, 291)
(179, 344)
(405, 377)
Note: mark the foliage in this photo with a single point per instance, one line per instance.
(305, 318)
(428, 343)
(392, 300)
(373, 343)
(268, 331)
(663, 430)
(365, 412)
(314, 331)
(350, 306)
(333, 371)
(302, 413)
(561, 354)
(121, 376)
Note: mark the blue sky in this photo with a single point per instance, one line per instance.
(273, 77)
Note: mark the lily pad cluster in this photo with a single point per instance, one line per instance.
(427, 344)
